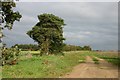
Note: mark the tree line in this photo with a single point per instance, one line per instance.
(66, 47)
(76, 48)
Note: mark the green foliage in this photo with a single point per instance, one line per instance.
(10, 56)
(25, 47)
(48, 33)
(76, 48)
(35, 47)
(71, 48)
(113, 60)
(87, 48)
(8, 15)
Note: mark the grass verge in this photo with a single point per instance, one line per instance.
(96, 61)
(43, 67)
(113, 60)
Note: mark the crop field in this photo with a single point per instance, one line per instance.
(31, 65)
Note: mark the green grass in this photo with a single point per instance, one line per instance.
(0, 72)
(113, 60)
(81, 59)
(51, 66)
(111, 57)
(43, 67)
(96, 61)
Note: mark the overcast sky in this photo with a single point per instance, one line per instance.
(92, 23)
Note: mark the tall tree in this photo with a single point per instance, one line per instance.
(48, 33)
(7, 15)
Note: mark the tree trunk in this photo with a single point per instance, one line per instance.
(47, 46)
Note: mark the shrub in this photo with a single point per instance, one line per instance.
(10, 55)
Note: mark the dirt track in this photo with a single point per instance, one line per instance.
(91, 70)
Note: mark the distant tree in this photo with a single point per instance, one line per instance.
(72, 48)
(87, 48)
(48, 33)
(33, 47)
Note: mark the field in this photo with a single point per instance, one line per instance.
(31, 65)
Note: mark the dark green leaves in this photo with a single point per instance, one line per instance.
(48, 33)
(8, 15)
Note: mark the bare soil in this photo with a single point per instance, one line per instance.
(92, 70)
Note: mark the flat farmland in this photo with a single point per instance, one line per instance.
(73, 64)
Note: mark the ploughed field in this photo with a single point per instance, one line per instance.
(73, 64)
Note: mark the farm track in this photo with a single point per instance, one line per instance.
(91, 70)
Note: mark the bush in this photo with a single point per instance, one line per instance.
(10, 56)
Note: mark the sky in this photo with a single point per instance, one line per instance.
(87, 23)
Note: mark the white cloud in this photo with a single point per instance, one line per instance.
(88, 32)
